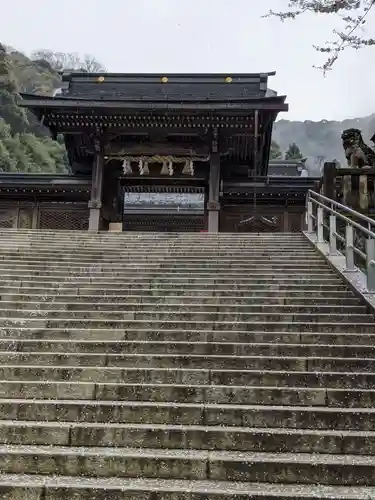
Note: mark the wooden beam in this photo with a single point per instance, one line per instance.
(151, 149)
(363, 193)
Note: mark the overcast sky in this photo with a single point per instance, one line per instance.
(226, 36)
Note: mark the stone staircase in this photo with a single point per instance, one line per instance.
(181, 367)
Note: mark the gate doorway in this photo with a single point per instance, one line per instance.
(163, 208)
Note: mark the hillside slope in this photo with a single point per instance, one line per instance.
(25, 145)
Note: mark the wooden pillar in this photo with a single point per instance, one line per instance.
(346, 189)
(329, 180)
(363, 193)
(213, 206)
(95, 203)
(286, 225)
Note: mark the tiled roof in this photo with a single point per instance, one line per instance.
(165, 88)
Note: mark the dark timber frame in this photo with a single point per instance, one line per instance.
(219, 125)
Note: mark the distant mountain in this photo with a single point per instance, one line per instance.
(320, 141)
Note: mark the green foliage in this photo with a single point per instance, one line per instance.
(275, 153)
(351, 13)
(25, 146)
(293, 152)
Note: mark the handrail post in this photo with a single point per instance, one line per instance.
(349, 248)
(370, 264)
(319, 220)
(332, 235)
(310, 221)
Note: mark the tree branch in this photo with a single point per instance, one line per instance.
(345, 38)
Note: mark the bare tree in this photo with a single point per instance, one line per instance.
(68, 60)
(91, 64)
(352, 13)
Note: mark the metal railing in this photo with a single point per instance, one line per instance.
(323, 216)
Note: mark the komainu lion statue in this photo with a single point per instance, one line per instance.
(357, 153)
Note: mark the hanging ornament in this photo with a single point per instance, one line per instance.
(170, 167)
(126, 166)
(146, 170)
(188, 168)
(141, 167)
(164, 168)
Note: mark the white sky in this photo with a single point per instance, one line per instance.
(202, 36)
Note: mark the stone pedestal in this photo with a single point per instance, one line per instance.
(115, 227)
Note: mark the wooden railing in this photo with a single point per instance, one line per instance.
(353, 187)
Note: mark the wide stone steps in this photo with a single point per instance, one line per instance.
(163, 261)
(183, 393)
(192, 376)
(173, 308)
(112, 347)
(236, 315)
(96, 462)
(190, 437)
(154, 329)
(114, 302)
(194, 367)
(145, 291)
(36, 487)
(310, 336)
(173, 360)
(174, 413)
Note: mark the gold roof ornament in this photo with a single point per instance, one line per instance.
(229, 79)
(101, 79)
(164, 79)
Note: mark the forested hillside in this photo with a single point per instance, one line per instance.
(24, 145)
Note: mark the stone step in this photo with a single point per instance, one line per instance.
(310, 336)
(128, 319)
(173, 360)
(179, 313)
(186, 437)
(170, 274)
(24, 487)
(167, 268)
(148, 234)
(229, 244)
(184, 393)
(183, 347)
(153, 254)
(158, 279)
(108, 237)
(174, 413)
(153, 260)
(163, 328)
(302, 468)
(122, 309)
(190, 253)
(292, 289)
(115, 301)
(139, 235)
(190, 376)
